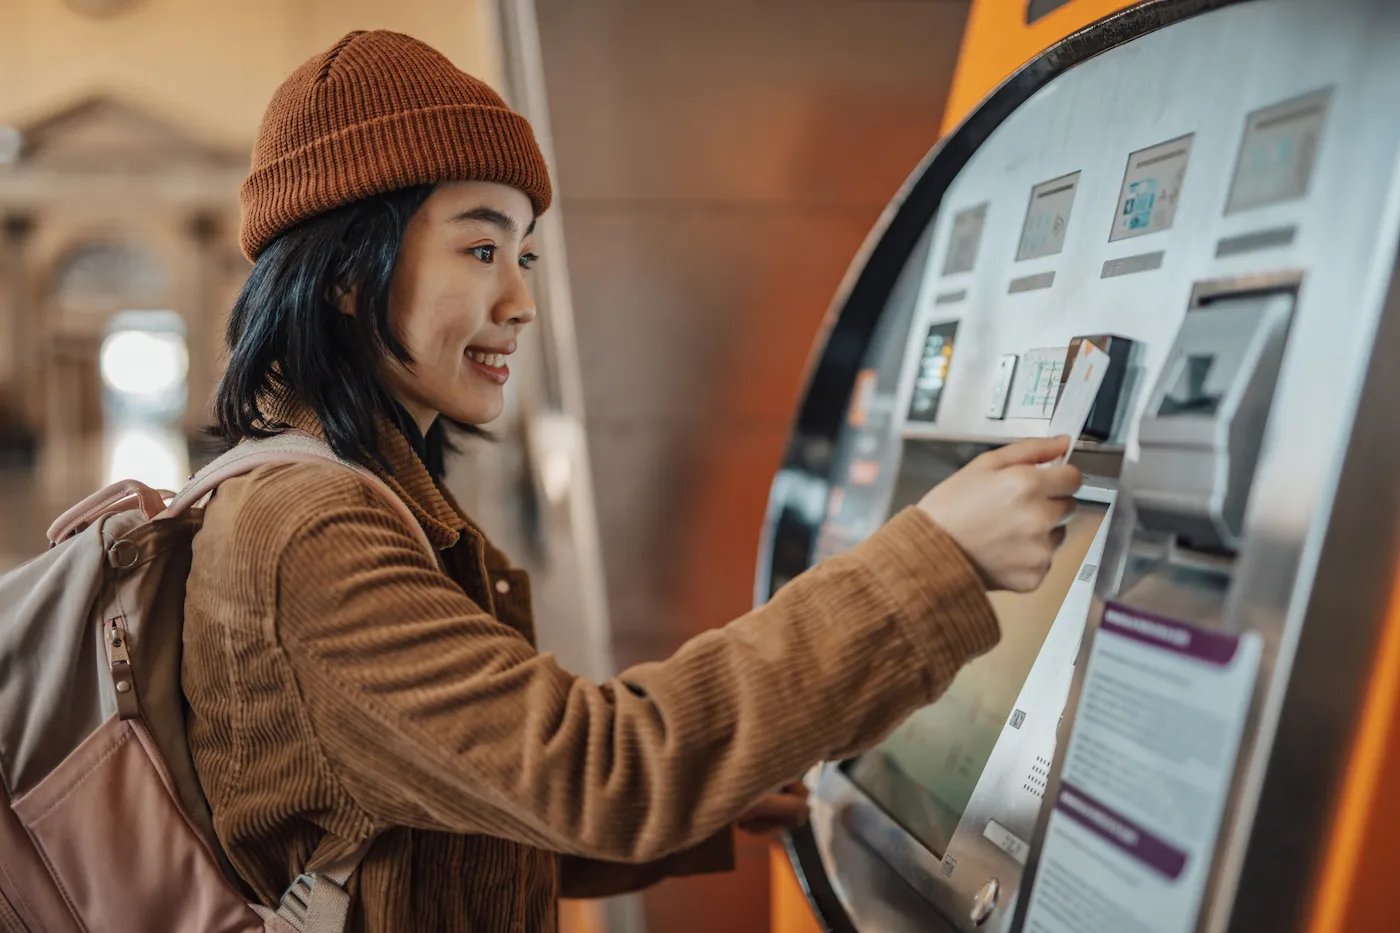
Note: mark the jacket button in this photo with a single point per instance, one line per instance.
(503, 587)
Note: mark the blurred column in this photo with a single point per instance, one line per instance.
(572, 611)
(18, 389)
(575, 622)
(205, 230)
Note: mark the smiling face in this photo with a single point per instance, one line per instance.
(458, 300)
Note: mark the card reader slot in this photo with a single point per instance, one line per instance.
(1205, 422)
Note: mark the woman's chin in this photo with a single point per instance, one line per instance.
(479, 412)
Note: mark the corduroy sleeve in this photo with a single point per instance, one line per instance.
(431, 714)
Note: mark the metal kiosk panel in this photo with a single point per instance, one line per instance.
(1251, 307)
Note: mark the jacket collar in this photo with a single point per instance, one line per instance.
(442, 521)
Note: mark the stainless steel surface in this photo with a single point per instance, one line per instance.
(1281, 815)
(1276, 583)
(1208, 78)
(876, 889)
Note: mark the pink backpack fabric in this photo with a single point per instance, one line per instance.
(103, 825)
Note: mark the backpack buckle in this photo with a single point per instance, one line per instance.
(296, 900)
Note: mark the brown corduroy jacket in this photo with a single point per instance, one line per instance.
(341, 683)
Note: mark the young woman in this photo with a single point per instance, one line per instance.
(349, 693)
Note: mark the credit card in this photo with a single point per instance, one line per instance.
(1077, 397)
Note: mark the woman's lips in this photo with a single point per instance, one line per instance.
(490, 364)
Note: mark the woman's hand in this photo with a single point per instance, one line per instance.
(774, 813)
(1007, 510)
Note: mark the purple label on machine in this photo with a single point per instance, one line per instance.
(1132, 839)
(1169, 634)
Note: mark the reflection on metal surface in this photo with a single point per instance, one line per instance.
(985, 902)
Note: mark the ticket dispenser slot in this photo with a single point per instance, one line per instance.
(1204, 422)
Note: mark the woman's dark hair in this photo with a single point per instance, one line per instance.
(288, 337)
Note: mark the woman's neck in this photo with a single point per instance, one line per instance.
(422, 416)
(414, 429)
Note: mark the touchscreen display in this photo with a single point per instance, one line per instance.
(924, 774)
(933, 371)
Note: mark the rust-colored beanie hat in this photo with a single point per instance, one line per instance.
(375, 112)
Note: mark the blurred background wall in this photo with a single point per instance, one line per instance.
(125, 129)
(718, 164)
(209, 66)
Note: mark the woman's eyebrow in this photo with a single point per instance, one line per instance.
(489, 215)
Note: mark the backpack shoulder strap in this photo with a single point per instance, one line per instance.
(287, 447)
(318, 902)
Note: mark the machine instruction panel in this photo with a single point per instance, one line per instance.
(1129, 844)
(1047, 218)
(1278, 152)
(1151, 189)
(1036, 387)
(965, 239)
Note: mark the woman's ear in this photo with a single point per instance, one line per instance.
(344, 299)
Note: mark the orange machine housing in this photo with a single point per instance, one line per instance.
(996, 42)
(1356, 879)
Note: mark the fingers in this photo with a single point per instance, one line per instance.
(772, 815)
(781, 808)
(1058, 481)
(1058, 512)
(1028, 452)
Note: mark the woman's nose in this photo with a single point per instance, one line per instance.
(517, 306)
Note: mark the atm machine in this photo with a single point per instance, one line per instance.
(1207, 192)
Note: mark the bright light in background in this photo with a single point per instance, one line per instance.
(144, 364)
(11, 141)
(157, 457)
(555, 440)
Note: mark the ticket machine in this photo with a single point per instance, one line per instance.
(1207, 192)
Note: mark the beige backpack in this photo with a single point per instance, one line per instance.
(103, 825)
